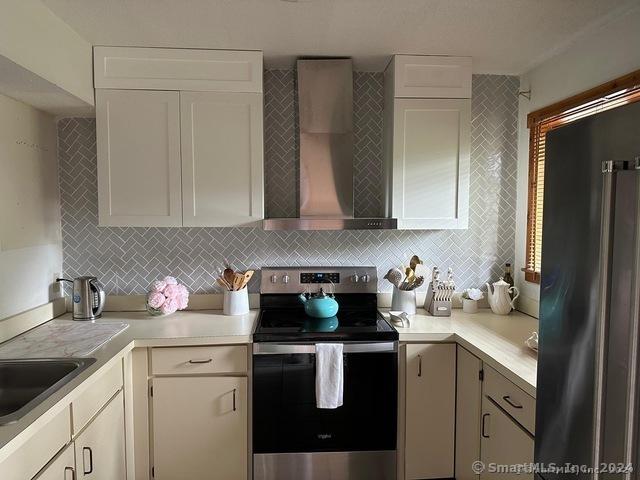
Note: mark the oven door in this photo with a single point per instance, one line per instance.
(292, 438)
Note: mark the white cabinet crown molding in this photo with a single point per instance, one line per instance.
(177, 69)
(431, 76)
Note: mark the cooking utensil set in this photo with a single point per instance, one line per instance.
(232, 280)
(406, 278)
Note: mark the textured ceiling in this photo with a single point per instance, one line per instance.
(502, 36)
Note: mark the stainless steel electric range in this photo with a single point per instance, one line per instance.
(292, 438)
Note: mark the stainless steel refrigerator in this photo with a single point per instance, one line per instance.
(587, 396)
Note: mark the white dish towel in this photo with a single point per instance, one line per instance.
(329, 375)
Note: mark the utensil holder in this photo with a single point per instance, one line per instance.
(469, 306)
(235, 302)
(403, 301)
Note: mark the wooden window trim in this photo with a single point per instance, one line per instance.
(549, 115)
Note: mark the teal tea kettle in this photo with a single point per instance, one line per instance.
(319, 305)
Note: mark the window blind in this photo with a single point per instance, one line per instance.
(614, 94)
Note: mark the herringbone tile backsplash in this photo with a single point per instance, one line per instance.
(127, 259)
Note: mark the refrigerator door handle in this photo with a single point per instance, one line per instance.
(631, 433)
(609, 171)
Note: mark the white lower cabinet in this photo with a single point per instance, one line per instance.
(63, 467)
(468, 413)
(200, 428)
(505, 443)
(430, 411)
(100, 448)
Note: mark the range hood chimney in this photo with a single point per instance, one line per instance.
(325, 101)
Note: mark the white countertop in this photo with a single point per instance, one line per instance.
(206, 327)
(498, 340)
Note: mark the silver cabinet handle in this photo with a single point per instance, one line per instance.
(206, 360)
(73, 473)
(484, 417)
(419, 365)
(297, 348)
(84, 463)
(507, 399)
(234, 399)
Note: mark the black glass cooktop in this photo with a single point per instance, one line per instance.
(352, 323)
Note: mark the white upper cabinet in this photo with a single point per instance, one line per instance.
(428, 76)
(168, 157)
(222, 164)
(427, 126)
(431, 163)
(177, 69)
(138, 142)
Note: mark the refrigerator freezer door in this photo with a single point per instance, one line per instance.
(570, 289)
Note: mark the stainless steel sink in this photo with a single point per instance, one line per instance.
(26, 383)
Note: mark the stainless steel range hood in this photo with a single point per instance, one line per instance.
(325, 101)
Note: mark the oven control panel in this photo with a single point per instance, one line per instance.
(320, 277)
(287, 280)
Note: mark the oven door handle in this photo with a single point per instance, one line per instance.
(296, 348)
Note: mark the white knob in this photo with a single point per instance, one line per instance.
(355, 278)
(285, 278)
(274, 278)
(365, 278)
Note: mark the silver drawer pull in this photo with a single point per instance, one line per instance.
(507, 399)
(207, 360)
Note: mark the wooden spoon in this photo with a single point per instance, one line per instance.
(223, 283)
(247, 276)
(228, 275)
(238, 281)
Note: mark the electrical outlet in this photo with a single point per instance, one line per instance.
(57, 287)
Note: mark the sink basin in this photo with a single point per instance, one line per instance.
(26, 383)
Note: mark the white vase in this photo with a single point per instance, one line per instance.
(469, 306)
(403, 301)
(236, 302)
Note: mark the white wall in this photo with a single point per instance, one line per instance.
(611, 50)
(30, 239)
(34, 38)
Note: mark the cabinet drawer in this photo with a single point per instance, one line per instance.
(95, 396)
(511, 398)
(37, 450)
(188, 360)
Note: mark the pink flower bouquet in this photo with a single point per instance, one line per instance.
(167, 296)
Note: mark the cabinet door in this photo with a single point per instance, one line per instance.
(431, 163)
(62, 467)
(504, 443)
(430, 411)
(200, 428)
(468, 412)
(138, 142)
(100, 449)
(222, 171)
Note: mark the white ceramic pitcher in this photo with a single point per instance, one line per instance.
(499, 299)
